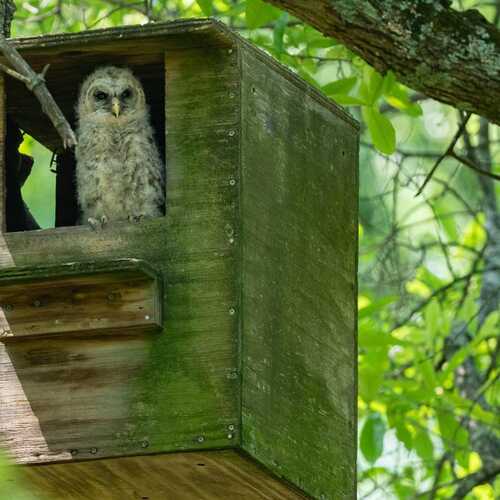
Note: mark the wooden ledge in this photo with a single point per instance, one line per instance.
(85, 298)
(211, 475)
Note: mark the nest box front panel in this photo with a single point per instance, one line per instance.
(71, 393)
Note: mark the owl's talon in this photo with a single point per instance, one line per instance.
(96, 224)
(93, 223)
(135, 218)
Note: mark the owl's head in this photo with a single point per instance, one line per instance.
(111, 93)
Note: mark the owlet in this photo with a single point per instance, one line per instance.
(119, 171)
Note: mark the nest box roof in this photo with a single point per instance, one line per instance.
(74, 55)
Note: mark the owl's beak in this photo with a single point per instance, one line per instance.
(115, 106)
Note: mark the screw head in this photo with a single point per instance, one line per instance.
(232, 133)
(8, 307)
(231, 427)
(200, 439)
(232, 182)
(145, 444)
(232, 311)
(93, 451)
(147, 318)
(230, 436)
(231, 240)
(37, 303)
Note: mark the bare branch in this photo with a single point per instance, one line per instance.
(448, 152)
(36, 83)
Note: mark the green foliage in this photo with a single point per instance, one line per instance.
(422, 316)
(372, 437)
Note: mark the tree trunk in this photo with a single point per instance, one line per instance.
(451, 56)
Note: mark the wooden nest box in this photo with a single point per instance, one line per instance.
(214, 347)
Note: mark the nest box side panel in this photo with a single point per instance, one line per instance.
(78, 397)
(299, 255)
(3, 132)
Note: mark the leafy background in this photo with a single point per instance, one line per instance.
(428, 313)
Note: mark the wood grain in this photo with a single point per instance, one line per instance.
(3, 132)
(299, 210)
(214, 475)
(178, 390)
(122, 301)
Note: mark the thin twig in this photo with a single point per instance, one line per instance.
(36, 83)
(465, 161)
(448, 151)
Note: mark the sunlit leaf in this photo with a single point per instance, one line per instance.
(259, 13)
(205, 6)
(423, 445)
(372, 437)
(342, 86)
(381, 130)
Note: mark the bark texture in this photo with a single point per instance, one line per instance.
(451, 56)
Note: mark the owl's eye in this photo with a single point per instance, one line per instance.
(126, 94)
(101, 96)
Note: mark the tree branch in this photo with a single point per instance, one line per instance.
(35, 82)
(448, 152)
(432, 48)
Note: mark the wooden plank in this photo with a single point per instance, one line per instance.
(299, 247)
(3, 133)
(214, 475)
(46, 302)
(178, 390)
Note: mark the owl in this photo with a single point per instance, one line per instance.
(119, 171)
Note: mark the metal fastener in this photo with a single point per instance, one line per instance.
(37, 303)
(145, 444)
(230, 436)
(93, 451)
(232, 133)
(147, 318)
(200, 439)
(230, 51)
(231, 427)
(231, 240)
(232, 182)
(232, 311)
(8, 307)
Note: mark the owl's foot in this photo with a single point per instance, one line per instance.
(135, 218)
(96, 224)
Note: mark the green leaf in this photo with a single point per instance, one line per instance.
(404, 434)
(370, 379)
(381, 130)
(205, 6)
(373, 85)
(423, 446)
(259, 13)
(372, 437)
(342, 86)
(347, 100)
(432, 316)
(279, 33)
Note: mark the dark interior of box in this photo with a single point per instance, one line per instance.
(24, 113)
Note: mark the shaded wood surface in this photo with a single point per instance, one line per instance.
(121, 302)
(132, 394)
(299, 212)
(214, 475)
